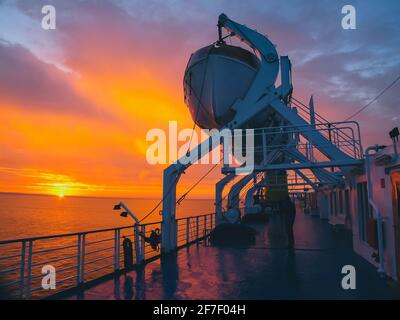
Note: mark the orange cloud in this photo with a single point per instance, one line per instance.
(84, 131)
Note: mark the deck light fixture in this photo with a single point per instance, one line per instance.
(125, 213)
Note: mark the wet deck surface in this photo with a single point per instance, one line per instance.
(265, 271)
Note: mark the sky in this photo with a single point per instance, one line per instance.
(76, 102)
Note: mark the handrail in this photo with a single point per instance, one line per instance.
(22, 272)
(298, 104)
(200, 215)
(8, 241)
(320, 119)
(61, 235)
(351, 146)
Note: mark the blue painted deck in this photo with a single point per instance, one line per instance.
(265, 271)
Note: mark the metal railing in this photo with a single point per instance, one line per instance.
(339, 136)
(83, 256)
(291, 138)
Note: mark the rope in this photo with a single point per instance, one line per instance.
(161, 201)
(197, 182)
(184, 195)
(374, 99)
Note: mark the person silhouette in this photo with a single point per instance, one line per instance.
(288, 209)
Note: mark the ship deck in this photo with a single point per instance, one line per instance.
(264, 271)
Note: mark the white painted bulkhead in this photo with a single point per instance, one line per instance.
(348, 207)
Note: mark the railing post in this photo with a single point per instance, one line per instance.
(205, 226)
(83, 249)
(187, 230)
(29, 269)
(197, 229)
(354, 146)
(137, 247)
(142, 244)
(211, 221)
(264, 145)
(119, 249)
(22, 271)
(78, 260)
(337, 138)
(116, 248)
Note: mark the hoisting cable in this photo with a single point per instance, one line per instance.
(190, 141)
(161, 201)
(374, 99)
(199, 104)
(198, 98)
(185, 194)
(191, 137)
(195, 184)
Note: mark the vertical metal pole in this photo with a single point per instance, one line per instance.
(306, 149)
(334, 137)
(116, 245)
(312, 122)
(22, 271)
(312, 111)
(264, 144)
(330, 139)
(83, 249)
(329, 132)
(168, 234)
(142, 244)
(381, 268)
(337, 138)
(137, 247)
(220, 40)
(187, 230)
(211, 221)
(197, 229)
(118, 249)
(78, 260)
(205, 226)
(354, 148)
(226, 162)
(29, 269)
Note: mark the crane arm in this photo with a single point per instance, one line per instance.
(268, 72)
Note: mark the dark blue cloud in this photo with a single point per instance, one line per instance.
(35, 86)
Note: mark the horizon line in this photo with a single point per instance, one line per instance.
(83, 196)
